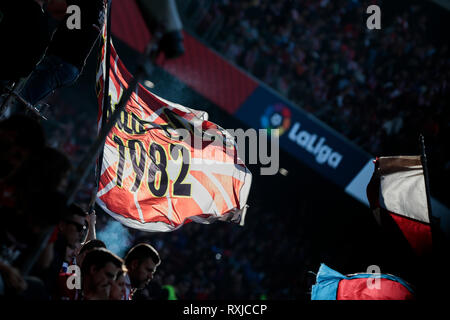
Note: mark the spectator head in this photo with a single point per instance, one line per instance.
(98, 272)
(20, 136)
(141, 262)
(73, 226)
(87, 247)
(118, 288)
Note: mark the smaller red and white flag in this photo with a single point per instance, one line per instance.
(397, 189)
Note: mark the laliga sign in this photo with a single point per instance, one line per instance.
(319, 149)
(278, 116)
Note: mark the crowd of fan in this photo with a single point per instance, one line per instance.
(42, 238)
(380, 88)
(355, 77)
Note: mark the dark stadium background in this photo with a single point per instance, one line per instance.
(294, 222)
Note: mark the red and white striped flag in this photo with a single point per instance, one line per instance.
(153, 181)
(397, 189)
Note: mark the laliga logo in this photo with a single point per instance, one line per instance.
(320, 150)
(276, 116)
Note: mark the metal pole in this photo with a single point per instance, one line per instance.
(423, 158)
(28, 105)
(106, 102)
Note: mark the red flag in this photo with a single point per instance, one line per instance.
(397, 189)
(154, 180)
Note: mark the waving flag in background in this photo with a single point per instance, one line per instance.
(153, 177)
(332, 285)
(397, 191)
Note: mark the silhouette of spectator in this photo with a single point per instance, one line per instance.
(70, 232)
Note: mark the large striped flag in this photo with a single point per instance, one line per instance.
(332, 285)
(397, 192)
(155, 178)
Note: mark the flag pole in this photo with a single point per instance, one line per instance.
(106, 102)
(423, 158)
